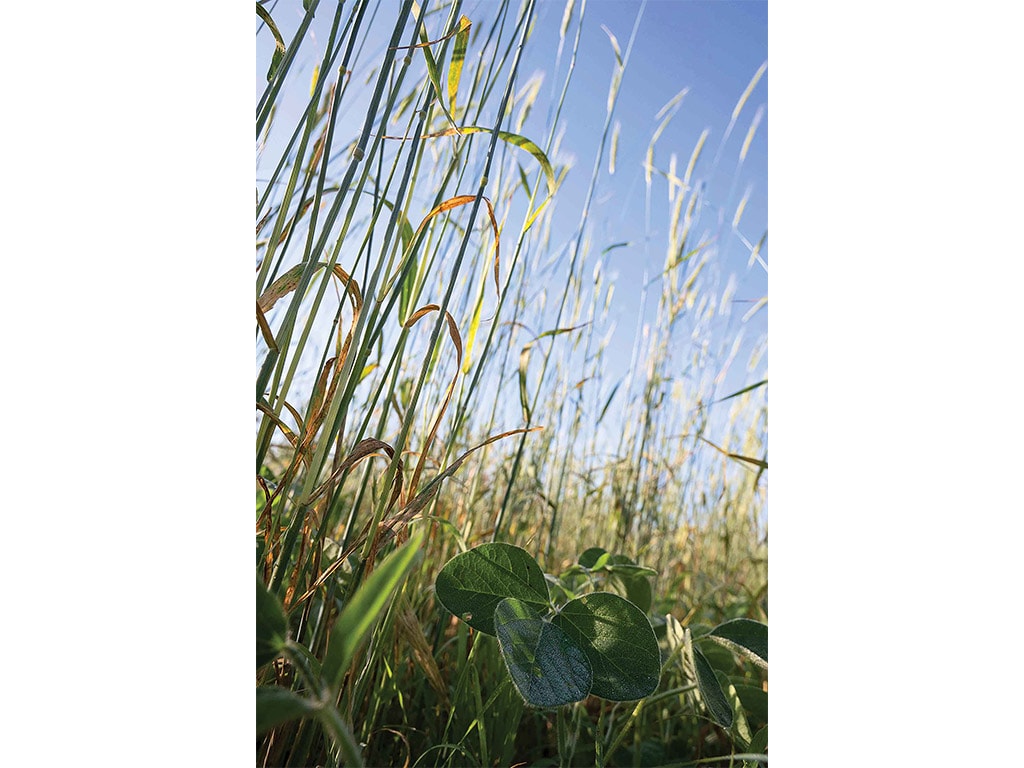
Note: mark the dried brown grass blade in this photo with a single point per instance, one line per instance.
(410, 629)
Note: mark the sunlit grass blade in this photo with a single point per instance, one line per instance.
(735, 456)
(749, 90)
(511, 138)
(750, 133)
(433, 72)
(455, 66)
(447, 205)
(360, 614)
(456, 338)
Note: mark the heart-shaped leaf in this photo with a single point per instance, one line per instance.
(619, 642)
(271, 626)
(711, 691)
(472, 584)
(548, 668)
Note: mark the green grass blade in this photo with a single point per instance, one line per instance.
(279, 48)
(358, 616)
(271, 626)
(458, 57)
(743, 391)
(511, 138)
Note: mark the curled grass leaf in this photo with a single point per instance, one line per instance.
(279, 47)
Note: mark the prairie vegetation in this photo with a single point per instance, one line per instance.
(435, 372)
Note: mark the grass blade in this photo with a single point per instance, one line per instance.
(359, 615)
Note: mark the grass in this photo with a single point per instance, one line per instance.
(433, 363)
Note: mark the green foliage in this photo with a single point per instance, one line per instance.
(548, 668)
(472, 584)
(350, 394)
(619, 641)
(618, 572)
(598, 644)
(723, 699)
(358, 616)
(276, 705)
(711, 690)
(749, 636)
(271, 626)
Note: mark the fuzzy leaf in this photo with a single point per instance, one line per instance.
(618, 640)
(711, 691)
(548, 668)
(749, 635)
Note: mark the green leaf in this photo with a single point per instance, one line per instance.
(750, 636)
(759, 743)
(548, 668)
(276, 705)
(279, 48)
(719, 657)
(515, 140)
(637, 589)
(624, 572)
(271, 626)
(711, 691)
(633, 579)
(458, 57)
(595, 557)
(358, 616)
(755, 701)
(618, 640)
(472, 584)
(740, 731)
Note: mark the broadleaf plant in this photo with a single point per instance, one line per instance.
(472, 584)
(548, 668)
(598, 643)
(747, 639)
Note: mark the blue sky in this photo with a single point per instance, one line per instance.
(711, 48)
